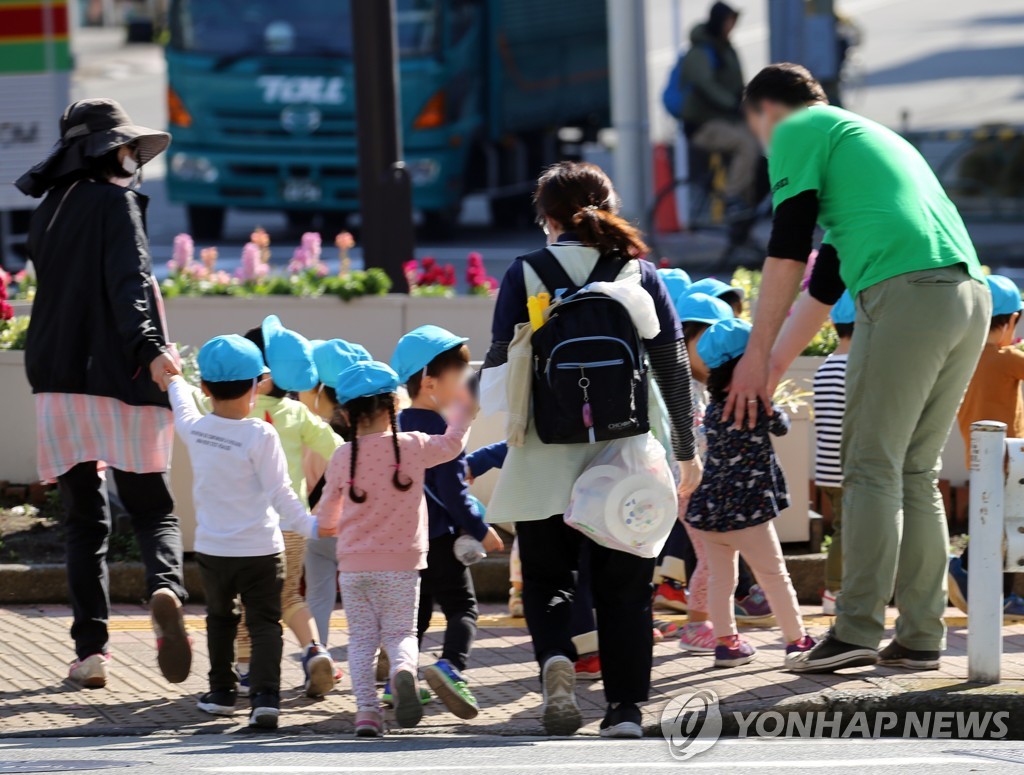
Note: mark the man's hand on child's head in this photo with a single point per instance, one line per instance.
(492, 541)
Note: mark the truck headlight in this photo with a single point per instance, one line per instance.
(423, 172)
(189, 167)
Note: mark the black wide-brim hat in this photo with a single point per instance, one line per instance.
(88, 130)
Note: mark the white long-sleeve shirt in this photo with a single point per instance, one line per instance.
(240, 482)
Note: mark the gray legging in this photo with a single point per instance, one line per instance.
(322, 582)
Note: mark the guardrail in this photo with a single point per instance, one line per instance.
(996, 540)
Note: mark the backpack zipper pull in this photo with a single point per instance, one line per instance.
(588, 414)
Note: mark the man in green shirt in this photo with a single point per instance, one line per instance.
(897, 242)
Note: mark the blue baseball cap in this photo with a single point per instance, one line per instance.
(701, 308)
(725, 340)
(289, 356)
(419, 347)
(1005, 295)
(365, 378)
(230, 358)
(333, 357)
(845, 311)
(714, 287)
(677, 281)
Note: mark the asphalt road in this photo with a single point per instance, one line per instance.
(530, 756)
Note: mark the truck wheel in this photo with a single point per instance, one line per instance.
(206, 223)
(440, 224)
(510, 212)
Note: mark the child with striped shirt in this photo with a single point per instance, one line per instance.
(829, 408)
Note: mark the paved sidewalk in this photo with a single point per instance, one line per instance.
(35, 698)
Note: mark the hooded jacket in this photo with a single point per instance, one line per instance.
(96, 324)
(713, 82)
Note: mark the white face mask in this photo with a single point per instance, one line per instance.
(129, 164)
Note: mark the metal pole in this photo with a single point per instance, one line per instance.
(385, 192)
(682, 152)
(627, 48)
(984, 588)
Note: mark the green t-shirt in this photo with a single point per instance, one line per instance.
(884, 210)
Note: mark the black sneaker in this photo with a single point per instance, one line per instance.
(623, 720)
(896, 655)
(265, 710)
(218, 703)
(831, 654)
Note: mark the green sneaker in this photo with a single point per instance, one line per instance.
(388, 700)
(450, 687)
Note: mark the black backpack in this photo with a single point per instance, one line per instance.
(589, 367)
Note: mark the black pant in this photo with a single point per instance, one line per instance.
(147, 499)
(621, 585)
(447, 582)
(259, 581)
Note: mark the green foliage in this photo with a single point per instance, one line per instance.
(824, 342)
(308, 284)
(434, 291)
(14, 333)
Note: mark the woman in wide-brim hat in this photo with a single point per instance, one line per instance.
(96, 357)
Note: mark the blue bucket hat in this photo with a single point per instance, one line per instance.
(419, 347)
(677, 281)
(724, 341)
(365, 378)
(333, 357)
(712, 286)
(289, 356)
(845, 311)
(1005, 295)
(701, 308)
(230, 358)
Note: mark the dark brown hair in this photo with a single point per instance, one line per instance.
(719, 379)
(998, 321)
(367, 408)
(455, 358)
(844, 330)
(580, 198)
(792, 85)
(230, 390)
(255, 335)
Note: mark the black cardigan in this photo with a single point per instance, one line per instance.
(95, 324)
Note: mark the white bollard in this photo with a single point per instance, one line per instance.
(985, 585)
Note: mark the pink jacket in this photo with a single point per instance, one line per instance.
(389, 530)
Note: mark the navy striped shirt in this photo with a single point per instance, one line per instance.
(829, 408)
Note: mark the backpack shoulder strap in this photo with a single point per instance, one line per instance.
(607, 269)
(551, 273)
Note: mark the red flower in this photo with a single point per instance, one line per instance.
(664, 263)
(6, 311)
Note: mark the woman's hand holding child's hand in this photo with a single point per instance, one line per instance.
(323, 531)
(492, 541)
(162, 368)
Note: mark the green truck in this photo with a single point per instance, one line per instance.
(261, 103)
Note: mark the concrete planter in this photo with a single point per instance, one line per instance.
(17, 420)
(465, 315)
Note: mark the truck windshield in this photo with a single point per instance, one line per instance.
(236, 29)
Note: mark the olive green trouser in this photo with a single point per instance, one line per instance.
(915, 345)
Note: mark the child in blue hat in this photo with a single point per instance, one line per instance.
(374, 496)
(433, 364)
(243, 497)
(289, 356)
(742, 491)
(829, 410)
(730, 294)
(994, 393)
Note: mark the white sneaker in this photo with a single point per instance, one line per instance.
(560, 714)
(90, 672)
(828, 603)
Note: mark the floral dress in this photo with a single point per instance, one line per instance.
(743, 484)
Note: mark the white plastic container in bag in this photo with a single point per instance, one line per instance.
(627, 498)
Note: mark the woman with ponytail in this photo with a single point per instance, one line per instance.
(577, 208)
(373, 495)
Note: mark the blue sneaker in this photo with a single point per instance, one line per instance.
(739, 653)
(1013, 606)
(318, 666)
(753, 608)
(242, 671)
(450, 687)
(958, 584)
(387, 699)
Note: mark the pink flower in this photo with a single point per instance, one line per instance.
(20, 277)
(260, 237)
(312, 244)
(5, 279)
(492, 284)
(320, 269)
(184, 250)
(208, 257)
(6, 311)
(251, 263)
(344, 241)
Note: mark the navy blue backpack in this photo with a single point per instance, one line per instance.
(675, 94)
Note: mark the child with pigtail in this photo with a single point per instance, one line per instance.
(374, 496)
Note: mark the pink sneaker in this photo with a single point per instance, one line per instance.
(369, 724)
(698, 638)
